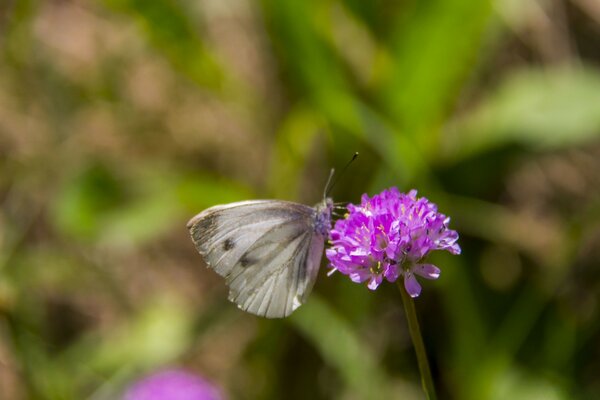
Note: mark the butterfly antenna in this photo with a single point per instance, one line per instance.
(331, 182)
(327, 188)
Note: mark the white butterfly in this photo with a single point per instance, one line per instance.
(268, 251)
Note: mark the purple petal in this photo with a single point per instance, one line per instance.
(411, 285)
(391, 250)
(360, 275)
(359, 252)
(330, 253)
(390, 227)
(374, 282)
(364, 199)
(391, 273)
(454, 249)
(172, 385)
(427, 271)
(355, 277)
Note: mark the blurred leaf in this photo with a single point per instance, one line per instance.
(198, 191)
(341, 27)
(81, 205)
(300, 32)
(163, 200)
(467, 331)
(378, 15)
(142, 220)
(342, 348)
(295, 141)
(156, 336)
(540, 238)
(169, 28)
(541, 109)
(433, 47)
(98, 205)
(403, 159)
(510, 382)
(319, 75)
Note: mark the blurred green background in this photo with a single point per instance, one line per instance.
(121, 119)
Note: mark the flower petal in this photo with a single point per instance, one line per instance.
(391, 273)
(386, 232)
(427, 271)
(331, 253)
(374, 282)
(454, 249)
(411, 285)
(360, 275)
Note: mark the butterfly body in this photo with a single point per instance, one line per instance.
(268, 251)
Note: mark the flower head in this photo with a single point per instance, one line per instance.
(172, 385)
(388, 236)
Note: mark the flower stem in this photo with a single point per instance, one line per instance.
(415, 334)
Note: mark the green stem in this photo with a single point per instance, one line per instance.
(417, 339)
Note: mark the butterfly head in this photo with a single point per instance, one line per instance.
(323, 216)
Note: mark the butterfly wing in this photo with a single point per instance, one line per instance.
(267, 250)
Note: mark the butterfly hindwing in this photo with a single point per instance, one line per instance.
(267, 251)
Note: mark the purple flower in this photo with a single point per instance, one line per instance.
(390, 235)
(172, 385)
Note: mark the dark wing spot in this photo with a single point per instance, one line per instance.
(204, 227)
(246, 261)
(228, 244)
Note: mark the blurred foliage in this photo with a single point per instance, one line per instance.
(121, 119)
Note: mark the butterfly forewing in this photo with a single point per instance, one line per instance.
(267, 250)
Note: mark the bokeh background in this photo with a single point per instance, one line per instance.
(121, 119)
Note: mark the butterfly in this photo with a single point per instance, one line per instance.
(268, 251)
